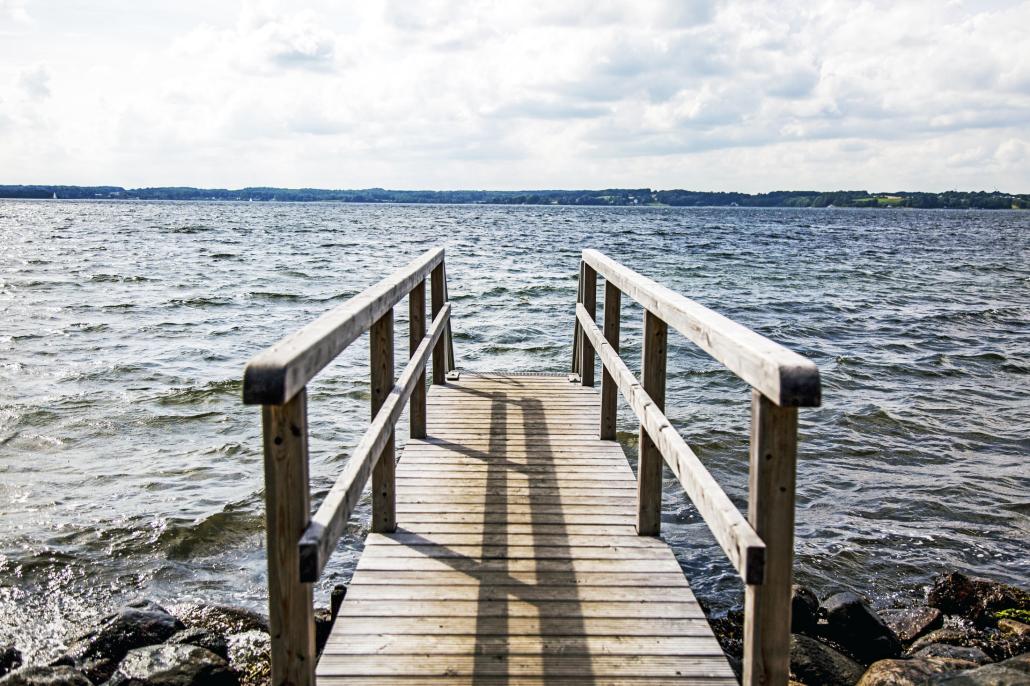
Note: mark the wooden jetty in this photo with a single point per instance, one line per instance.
(512, 543)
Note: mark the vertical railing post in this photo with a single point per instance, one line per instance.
(416, 332)
(384, 505)
(649, 462)
(291, 618)
(450, 337)
(609, 390)
(577, 334)
(439, 298)
(771, 513)
(586, 351)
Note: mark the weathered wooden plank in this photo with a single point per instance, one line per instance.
(517, 552)
(428, 564)
(770, 509)
(649, 460)
(779, 373)
(455, 578)
(500, 592)
(416, 332)
(479, 528)
(666, 609)
(287, 508)
(609, 389)
(444, 514)
(404, 537)
(438, 298)
(586, 365)
(654, 666)
(507, 680)
(562, 471)
(509, 500)
(524, 626)
(384, 506)
(278, 373)
(406, 644)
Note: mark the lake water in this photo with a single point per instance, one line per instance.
(129, 466)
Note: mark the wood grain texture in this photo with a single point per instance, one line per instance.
(780, 374)
(438, 296)
(384, 509)
(649, 460)
(515, 558)
(609, 389)
(770, 509)
(287, 506)
(416, 332)
(586, 365)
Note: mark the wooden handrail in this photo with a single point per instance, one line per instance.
(326, 527)
(761, 548)
(783, 376)
(278, 373)
(298, 547)
(736, 537)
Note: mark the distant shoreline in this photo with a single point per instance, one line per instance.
(612, 197)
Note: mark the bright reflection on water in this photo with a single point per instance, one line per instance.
(129, 466)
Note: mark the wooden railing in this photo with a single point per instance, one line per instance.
(762, 546)
(299, 545)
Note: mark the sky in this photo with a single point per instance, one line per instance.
(526, 94)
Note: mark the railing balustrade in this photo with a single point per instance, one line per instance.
(761, 547)
(298, 544)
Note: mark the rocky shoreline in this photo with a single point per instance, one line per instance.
(969, 632)
(147, 644)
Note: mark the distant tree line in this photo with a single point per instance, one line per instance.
(610, 196)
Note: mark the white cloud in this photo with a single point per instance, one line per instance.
(14, 11)
(35, 82)
(711, 95)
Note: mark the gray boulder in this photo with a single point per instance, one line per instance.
(967, 653)
(804, 609)
(911, 623)
(219, 619)
(172, 665)
(216, 643)
(950, 635)
(814, 662)
(250, 657)
(854, 625)
(10, 659)
(1012, 672)
(974, 598)
(135, 625)
(55, 675)
(910, 672)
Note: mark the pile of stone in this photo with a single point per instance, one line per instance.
(145, 644)
(970, 632)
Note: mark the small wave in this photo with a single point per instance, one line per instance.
(270, 295)
(200, 301)
(193, 394)
(117, 278)
(183, 540)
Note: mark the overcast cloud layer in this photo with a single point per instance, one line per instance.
(747, 96)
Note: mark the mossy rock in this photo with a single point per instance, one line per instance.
(1015, 613)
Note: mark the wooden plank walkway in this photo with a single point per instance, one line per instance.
(516, 559)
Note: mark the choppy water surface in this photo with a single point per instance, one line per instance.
(129, 466)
